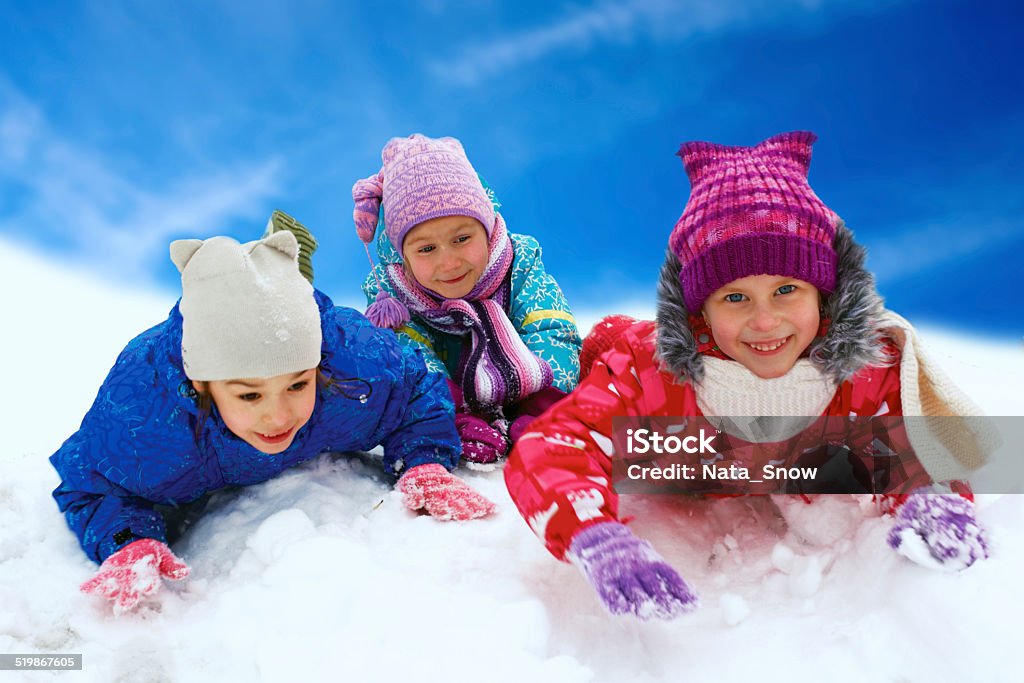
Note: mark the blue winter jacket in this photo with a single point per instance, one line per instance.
(144, 442)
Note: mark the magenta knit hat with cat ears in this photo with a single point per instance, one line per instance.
(752, 212)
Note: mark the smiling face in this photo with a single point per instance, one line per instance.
(447, 255)
(265, 413)
(764, 322)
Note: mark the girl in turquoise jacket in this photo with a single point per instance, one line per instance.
(475, 299)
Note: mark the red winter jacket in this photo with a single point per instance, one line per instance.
(559, 473)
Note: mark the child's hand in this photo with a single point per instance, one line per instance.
(134, 572)
(481, 443)
(441, 494)
(938, 531)
(628, 575)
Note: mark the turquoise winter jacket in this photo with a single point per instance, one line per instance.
(539, 312)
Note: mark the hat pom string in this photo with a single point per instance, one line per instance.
(386, 310)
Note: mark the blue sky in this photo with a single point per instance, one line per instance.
(126, 125)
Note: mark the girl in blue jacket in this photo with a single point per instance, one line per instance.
(252, 373)
(473, 297)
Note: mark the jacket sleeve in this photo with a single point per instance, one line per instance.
(559, 472)
(427, 433)
(541, 314)
(413, 334)
(102, 475)
(416, 425)
(103, 516)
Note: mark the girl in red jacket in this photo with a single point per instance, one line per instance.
(764, 310)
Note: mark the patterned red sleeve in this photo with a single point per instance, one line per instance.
(559, 472)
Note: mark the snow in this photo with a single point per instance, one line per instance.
(322, 575)
(734, 608)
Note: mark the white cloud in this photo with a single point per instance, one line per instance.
(84, 203)
(919, 248)
(624, 22)
(967, 211)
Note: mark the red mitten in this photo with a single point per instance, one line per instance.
(441, 494)
(134, 572)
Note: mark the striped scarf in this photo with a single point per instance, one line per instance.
(497, 369)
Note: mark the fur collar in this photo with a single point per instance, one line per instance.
(854, 339)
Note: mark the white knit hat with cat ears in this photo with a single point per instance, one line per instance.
(246, 310)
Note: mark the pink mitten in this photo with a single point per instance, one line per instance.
(441, 494)
(134, 572)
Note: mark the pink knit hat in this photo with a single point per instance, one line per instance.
(752, 212)
(422, 178)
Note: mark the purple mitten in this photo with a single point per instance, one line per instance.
(939, 531)
(481, 443)
(628, 575)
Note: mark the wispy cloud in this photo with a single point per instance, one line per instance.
(967, 208)
(620, 23)
(919, 248)
(76, 200)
